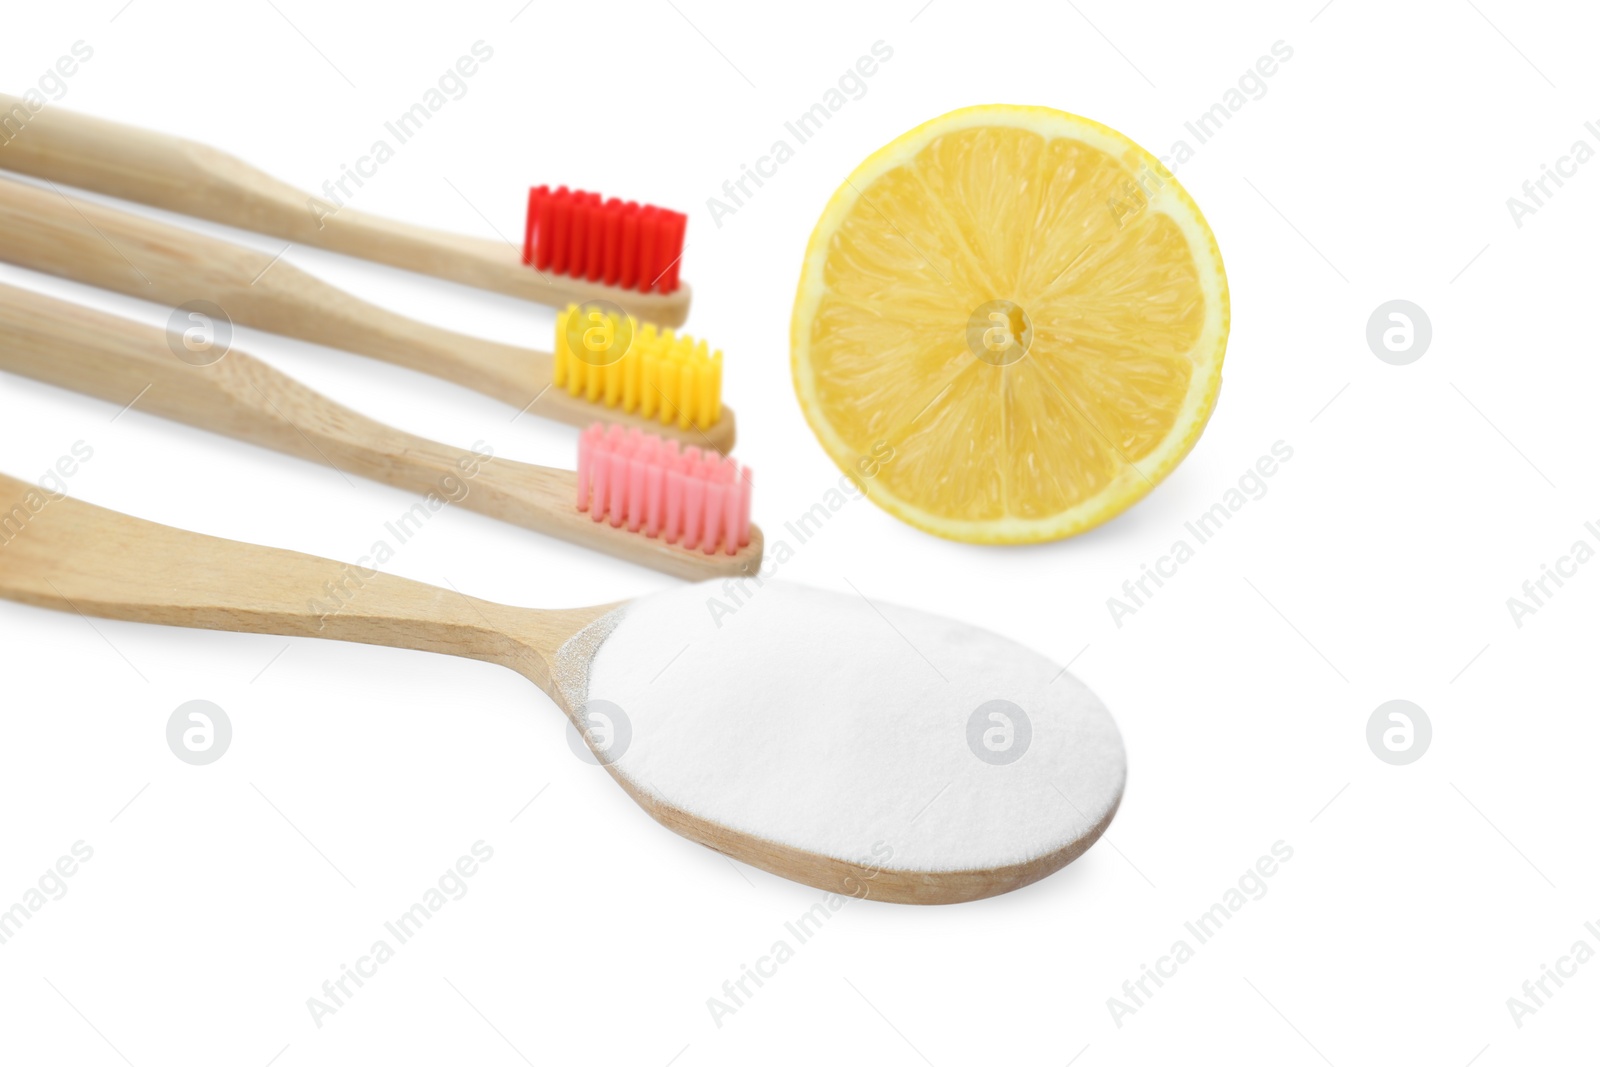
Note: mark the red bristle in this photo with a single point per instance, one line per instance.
(591, 237)
(560, 227)
(613, 241)
(576, 211)
(672, 250)
(596, 238)
(658, 242)
(628, 270)
(536, 197)
(575, 232)
(541, 237)
(649, 216)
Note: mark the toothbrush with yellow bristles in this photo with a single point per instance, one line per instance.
(606, 365)
(683, 510)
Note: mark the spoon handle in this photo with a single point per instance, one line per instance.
(60, 553)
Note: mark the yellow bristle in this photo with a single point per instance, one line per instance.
(672, 375)
(702, 386)
(650, 384)
(686, 393)
(669, 388)
(630, 384)
(715, 407)
(562, 354)
(663, 375)
(645, 345)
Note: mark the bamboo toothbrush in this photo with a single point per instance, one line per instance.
(194, 179)
(86, 242)
(71, 556)
(634, 496)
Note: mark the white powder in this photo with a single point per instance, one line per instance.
(823, 722)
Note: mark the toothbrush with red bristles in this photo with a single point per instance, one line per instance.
(636, 247)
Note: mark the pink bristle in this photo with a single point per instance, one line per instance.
(600, 470)
(730, 504)
(694, 504)
(617, 507)
(675, 492)
(587, 442)
(658, 499)
(745, 489)
(713, 528)
(637, 468)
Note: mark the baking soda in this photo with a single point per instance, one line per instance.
(851, 729)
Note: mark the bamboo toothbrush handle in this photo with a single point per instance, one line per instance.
(175, 376)
(64, 554)
(194, 179)
(46, 231)
(126, 362)
(86, 242)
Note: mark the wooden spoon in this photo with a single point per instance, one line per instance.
(82, 241)
(71, 556)
(195, 179)
(127, 362)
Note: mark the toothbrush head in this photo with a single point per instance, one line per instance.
(607, 358)
(685, 496)
(628, 245)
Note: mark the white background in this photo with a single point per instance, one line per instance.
(1377, 566)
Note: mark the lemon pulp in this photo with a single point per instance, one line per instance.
(1023, 310)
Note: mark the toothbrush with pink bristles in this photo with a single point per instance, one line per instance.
(671, 508)
(687, 497)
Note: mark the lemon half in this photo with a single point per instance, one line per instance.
(1010, 325)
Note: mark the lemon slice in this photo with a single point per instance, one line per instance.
(1009, 325)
